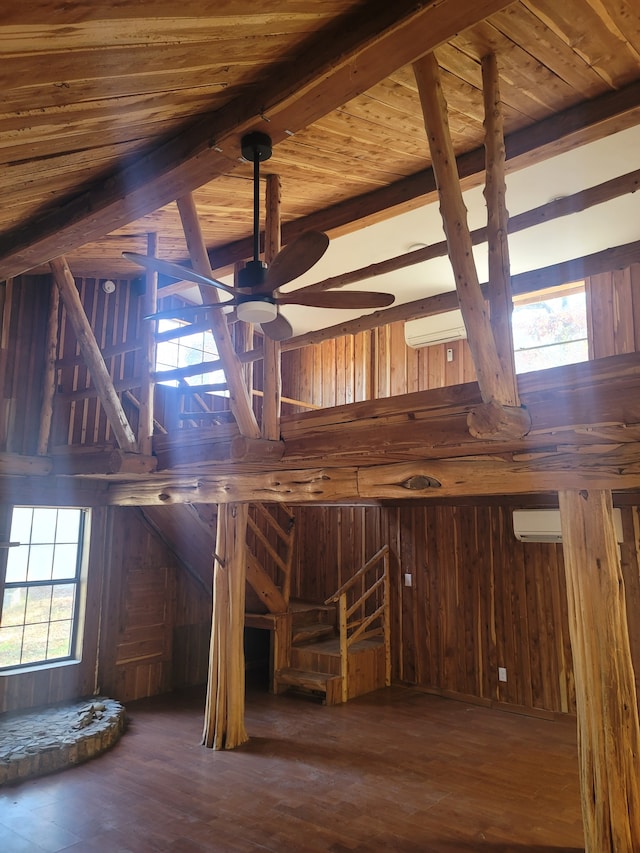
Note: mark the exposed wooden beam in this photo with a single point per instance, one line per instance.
(618, 257)
(92, 355)
(433, 479)
(15, 464)
(239, 399)
(582, 200)
(606, 701)
(329, 72)
(89, 460)
(578, 125)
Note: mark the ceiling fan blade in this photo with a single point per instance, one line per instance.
(186, 312)
(296, 258)
(176, 271)
(279, 329)
(336, 299)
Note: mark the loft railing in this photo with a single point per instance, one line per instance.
(364, 615)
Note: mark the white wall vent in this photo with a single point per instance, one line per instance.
(437, 329)
(543, 525)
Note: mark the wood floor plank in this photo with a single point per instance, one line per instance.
(398, 769)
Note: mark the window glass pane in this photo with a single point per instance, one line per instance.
(17, 562)
(40, 563)
(21, 524)
(63, 601)
(551, 356)
(64, 561)
(167, 355)
(59, 645)
(34, 643)
(10, 646)
(44, 524)
(68, 525)
(13, 607)
(209, 346)
(37, 615)
(551, 332)
(38, 605)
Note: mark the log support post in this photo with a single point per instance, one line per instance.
(148, 353)
(272, 379)
(50, 373)
(239, 398)
(224, 713)
(494, 365)
(608, 728)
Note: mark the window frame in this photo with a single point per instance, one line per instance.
(79, 581)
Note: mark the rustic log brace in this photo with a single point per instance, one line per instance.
(245, 449)
(496, 422)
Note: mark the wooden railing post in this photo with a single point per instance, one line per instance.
(387, 622)
(344, 645)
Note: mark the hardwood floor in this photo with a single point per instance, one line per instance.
(394, 770)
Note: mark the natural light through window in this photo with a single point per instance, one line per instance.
(43, 580)
(187, 350)
(550, 328)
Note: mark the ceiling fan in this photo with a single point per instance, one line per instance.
(256, 298)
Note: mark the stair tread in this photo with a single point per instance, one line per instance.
(309, 633)
(305, 677)
(331, 646)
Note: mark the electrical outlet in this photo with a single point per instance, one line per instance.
(502, 673)
(449, 354)
(408, 579)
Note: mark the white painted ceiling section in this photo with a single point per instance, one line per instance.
(611, 224)
(601, 227)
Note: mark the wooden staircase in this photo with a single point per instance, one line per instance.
(340, 652)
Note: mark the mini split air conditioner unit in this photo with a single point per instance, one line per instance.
(437, 329)
(543, 525)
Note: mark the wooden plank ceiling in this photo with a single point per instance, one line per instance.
(91, 87)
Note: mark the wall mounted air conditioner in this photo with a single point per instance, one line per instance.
(437, 329)
(543, 525)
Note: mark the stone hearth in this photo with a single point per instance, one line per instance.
(44, 740)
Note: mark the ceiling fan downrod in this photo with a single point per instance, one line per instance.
(256, 147)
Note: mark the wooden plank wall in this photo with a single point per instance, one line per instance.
(478, 599)
(150, 602)
(370, 365)
(78, 415)
(24, 306)
(153, 619)
(376, 364)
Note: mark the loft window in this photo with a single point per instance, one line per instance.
(550, 328)
(43, 588)
(185, 350)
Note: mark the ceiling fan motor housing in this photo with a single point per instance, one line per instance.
(257, 311)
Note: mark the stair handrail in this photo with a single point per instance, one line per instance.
(352, 630)
(346, 586)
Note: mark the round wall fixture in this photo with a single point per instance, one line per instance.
(108, 286)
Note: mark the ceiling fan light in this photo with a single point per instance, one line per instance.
(257, 311)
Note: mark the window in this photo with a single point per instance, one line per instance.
(550, 328)
(186, 350)
(42, 589)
